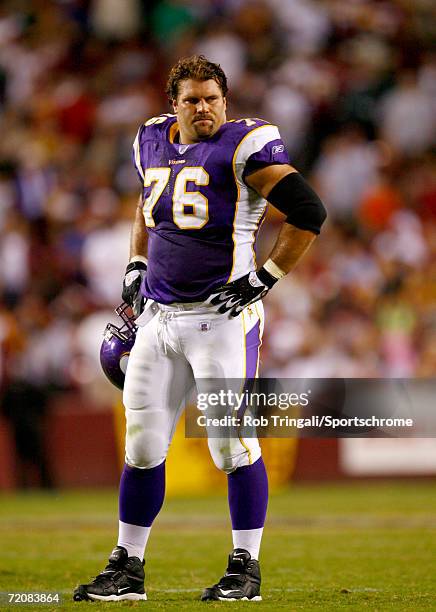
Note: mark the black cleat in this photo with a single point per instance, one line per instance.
(241, 582)
(121, 579)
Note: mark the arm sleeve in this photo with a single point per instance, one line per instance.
(295, 198)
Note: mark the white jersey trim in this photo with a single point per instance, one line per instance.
(250, 207)
(137, 155)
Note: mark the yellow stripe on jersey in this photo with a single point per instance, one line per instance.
(172, 132)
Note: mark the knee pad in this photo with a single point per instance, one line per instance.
(146, 445)
(138, 457)
(228, 455)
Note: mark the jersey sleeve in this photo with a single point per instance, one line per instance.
(265, 149)
(136, 154)
(259, 147)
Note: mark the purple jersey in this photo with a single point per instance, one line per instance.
(201, 216)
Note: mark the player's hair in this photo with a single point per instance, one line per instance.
(196, 67)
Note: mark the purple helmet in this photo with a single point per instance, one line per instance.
(116, 346)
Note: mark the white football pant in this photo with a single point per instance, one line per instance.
(182, 344)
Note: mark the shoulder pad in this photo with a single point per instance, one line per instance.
(153, 129)
(247, 124)
(157, 127)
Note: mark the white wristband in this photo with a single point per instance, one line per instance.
(138, 258)
(273, 269)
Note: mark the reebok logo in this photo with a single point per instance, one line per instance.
(278, 149)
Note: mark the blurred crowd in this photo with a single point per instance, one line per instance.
(352, 86)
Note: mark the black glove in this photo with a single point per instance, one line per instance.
(135, 273)
(235, 296)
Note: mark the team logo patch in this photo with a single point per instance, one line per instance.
(278, 149)
(204, 325)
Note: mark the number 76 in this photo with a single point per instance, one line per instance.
(158, 179)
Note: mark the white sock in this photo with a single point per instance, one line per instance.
(133, 538)
(249, 539)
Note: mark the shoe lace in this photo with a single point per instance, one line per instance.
(231, 582)
(108, 574)
(232, 579)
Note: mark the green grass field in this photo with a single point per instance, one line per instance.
(355, 547)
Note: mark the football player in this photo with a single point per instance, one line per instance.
(193, 283)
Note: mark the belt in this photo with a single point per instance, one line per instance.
(178, 306)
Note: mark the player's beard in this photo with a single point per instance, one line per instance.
(204, 127)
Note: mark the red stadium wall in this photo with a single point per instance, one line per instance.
(83, 451)
(317, 460)
(7, 457)
(79, 441)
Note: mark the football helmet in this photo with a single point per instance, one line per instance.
(116, 346)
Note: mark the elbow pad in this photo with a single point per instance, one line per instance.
(296, 199)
